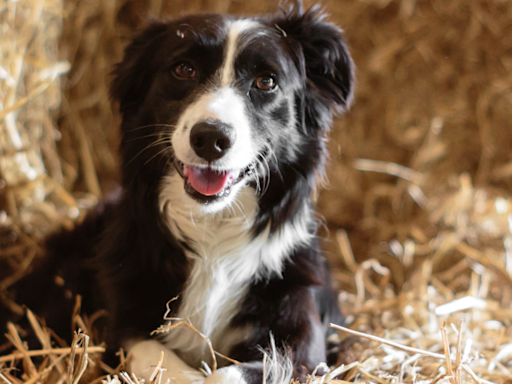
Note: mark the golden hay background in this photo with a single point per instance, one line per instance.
(420, 178)
(434, 94)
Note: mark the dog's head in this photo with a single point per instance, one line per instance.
(223, 102)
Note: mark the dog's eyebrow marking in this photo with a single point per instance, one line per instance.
(236, 28)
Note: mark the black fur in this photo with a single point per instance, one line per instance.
(126, 256)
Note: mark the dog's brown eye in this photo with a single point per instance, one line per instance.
(185, 71)
(265, 83)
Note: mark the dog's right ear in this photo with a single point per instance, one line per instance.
(132, 76)
(324, 62)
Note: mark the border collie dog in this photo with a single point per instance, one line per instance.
(224, 124)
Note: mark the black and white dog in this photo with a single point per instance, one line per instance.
(223, 141)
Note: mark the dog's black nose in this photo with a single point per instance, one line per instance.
(210, 141)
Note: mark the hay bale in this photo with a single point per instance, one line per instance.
(29, 93)
(33, 198)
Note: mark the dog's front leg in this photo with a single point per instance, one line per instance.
(145, 355)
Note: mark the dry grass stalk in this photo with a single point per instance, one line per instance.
(50, 361)
(29, 92)
(46, 352)
(75, 374)
(474, 290)
(390, 343)
(176, 322)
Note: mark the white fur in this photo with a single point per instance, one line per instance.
(235, 29)
(173, 192)
(277, 368)
(317, 346)
(231, 336)
(224, 105)
(226, 260)
(144, 357)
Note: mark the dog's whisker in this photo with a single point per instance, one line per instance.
(151, 126)
(240, 206)
(276, 167)
(272, 153)
(257, 176)
(192, 218)
(254, 175)
(171, 158)
(163, 140)
(232, 210)
(263, 177)
(301, 175)
(155, 134)
(157, 154)
(266, 175)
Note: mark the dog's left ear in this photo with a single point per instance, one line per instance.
(325, 64)
(132, 76)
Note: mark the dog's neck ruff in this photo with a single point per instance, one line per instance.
(226, 259)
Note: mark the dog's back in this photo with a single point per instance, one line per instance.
(65, 270)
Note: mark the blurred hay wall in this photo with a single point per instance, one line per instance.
(434, 94)
(420, 63)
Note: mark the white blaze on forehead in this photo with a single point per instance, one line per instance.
(235, 29)
(221, 103)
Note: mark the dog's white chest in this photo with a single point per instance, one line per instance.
(210, 300)
(226, 260)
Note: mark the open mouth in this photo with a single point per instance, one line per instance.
(207, 185)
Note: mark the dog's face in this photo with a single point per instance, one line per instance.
(226, 100)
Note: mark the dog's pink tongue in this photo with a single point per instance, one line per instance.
(206, 181)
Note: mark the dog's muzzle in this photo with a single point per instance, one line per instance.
(206, 185)
(210, 141)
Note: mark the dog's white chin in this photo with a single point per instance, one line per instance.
(173, 192)
(220, 205)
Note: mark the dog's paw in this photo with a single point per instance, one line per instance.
(227, 375)
(144, 356)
